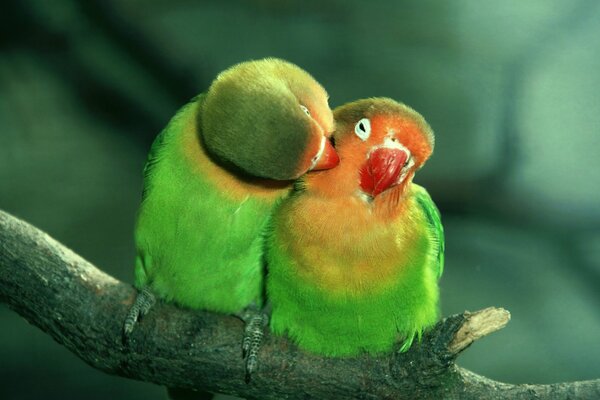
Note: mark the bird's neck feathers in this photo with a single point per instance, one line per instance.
(341, 183)
(197, 161)
(392, 202)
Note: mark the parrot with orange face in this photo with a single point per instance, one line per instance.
(211, 179)
(354, 254)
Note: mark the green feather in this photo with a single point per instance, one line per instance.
(435, 224)
(346, 323)
(197, 245)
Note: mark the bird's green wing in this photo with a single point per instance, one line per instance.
(153, 158)
(435, 225)
(159, 144)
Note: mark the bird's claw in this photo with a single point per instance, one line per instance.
(246, 343)
(144, 301)
(253, 333)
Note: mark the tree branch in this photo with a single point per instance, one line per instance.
(83, 309)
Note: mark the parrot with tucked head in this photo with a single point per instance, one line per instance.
(354, 254)
(211, 179)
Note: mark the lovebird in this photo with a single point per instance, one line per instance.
(211, 179)
(354, 254)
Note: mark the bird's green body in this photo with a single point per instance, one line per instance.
(347, 275)
(347, 316)
(199, 227)
(212, 177)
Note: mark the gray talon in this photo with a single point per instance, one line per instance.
(142, 304)
(253, 333)
(246, 343)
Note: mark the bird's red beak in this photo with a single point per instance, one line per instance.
(382, 170)
(329, 158)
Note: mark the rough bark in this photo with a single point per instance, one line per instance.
(83, 309)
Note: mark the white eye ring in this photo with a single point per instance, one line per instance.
(305, 109)
(363, 129)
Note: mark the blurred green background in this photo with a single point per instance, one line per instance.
(510, 87)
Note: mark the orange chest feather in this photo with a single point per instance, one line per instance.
(343, 245)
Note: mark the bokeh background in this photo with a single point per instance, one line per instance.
(510, 87)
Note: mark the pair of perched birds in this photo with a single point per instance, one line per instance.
(243, 191)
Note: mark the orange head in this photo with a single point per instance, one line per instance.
(381, 144)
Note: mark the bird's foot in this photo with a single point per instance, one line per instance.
(255, 321)
(143, 303)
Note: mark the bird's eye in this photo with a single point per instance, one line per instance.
(363, 129)
(306, 111)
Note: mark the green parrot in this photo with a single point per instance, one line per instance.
(354, 254)
(211, 179)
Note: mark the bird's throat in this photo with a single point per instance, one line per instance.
(391, 203)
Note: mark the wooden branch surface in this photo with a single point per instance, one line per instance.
(83, 309)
